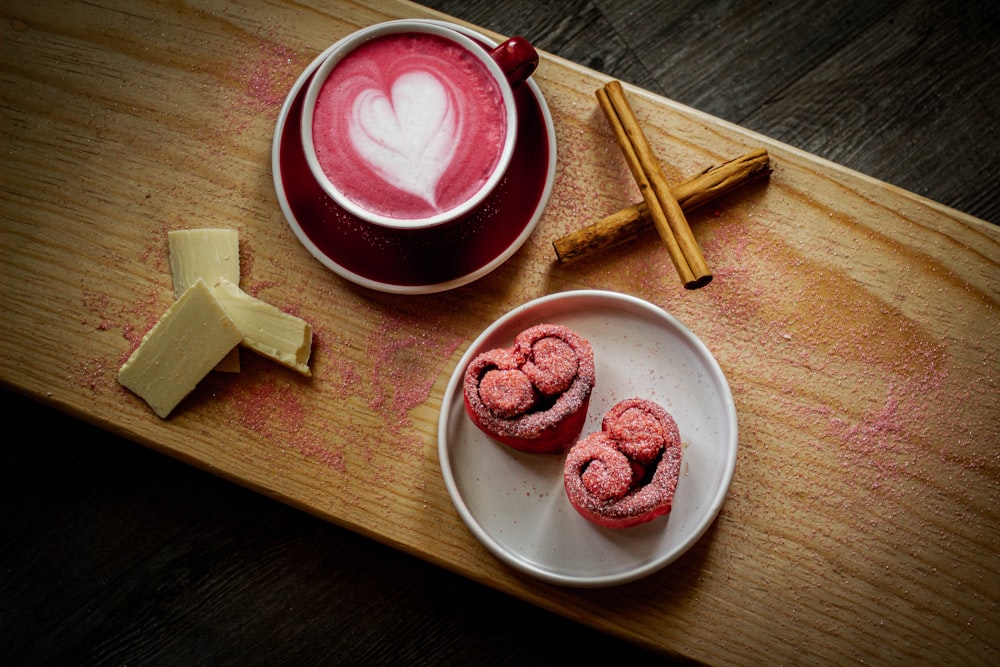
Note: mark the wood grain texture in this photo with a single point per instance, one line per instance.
(856, 322)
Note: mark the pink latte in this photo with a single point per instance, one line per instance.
(409, 125)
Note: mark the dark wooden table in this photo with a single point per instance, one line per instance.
(113, 554)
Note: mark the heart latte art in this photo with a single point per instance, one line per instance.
(409, 125)
(409, 137)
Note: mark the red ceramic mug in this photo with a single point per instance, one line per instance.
(409, 124)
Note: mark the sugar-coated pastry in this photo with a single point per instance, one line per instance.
(533, 396)
(627, 473)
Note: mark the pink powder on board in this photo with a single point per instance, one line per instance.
(133, 319)
(396, 388)
(269, 71)
(93, 374)
(827, 331)
(267, 407)
(256, 287)
(276, 409)
(263, 73)
(407, 352)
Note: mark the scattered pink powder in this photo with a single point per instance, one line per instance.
(275, 409)
(346, 376)
(267, 407)
(256, 287)
(269, 73)
(397, 389)
(94, 374)
(263, 74)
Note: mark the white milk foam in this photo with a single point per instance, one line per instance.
(409, 137)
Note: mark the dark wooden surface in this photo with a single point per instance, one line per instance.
(906, 91)
(112, 554)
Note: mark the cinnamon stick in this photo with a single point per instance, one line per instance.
(630, 222)
(667, 215)
(653, 207)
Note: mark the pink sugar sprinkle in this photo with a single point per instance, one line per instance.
(267, 407)
(269, 73)
(397, 388)
(346, 373)
(552, 365)
(325, 456)
(256, 287)
(96, 302)
(274, 409)
(262, 76)
(506, 393)
(404, 368)
(607, 474)
(640, 433)
(95, 374)
(134, 319)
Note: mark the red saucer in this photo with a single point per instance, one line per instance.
(422, 261)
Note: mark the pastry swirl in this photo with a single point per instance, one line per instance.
(533, 396)
(627, 473)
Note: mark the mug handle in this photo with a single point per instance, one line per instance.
(517, 59)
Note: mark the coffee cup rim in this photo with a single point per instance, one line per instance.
(347, 45)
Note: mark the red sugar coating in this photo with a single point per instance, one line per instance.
(608, 474)
(642, 429)
(551, 363)
(603, 481)
(554, 364)
(507, 393)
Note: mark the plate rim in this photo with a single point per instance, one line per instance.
(713, 507)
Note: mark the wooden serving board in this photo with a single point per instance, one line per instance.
(857, 324)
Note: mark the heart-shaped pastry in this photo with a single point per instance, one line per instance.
(627, 473)
(409, 137)
(533, 396)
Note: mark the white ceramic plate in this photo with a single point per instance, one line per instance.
(515, 503)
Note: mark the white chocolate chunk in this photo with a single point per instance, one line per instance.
(267, 330)
(189, 339)
(209, 254)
